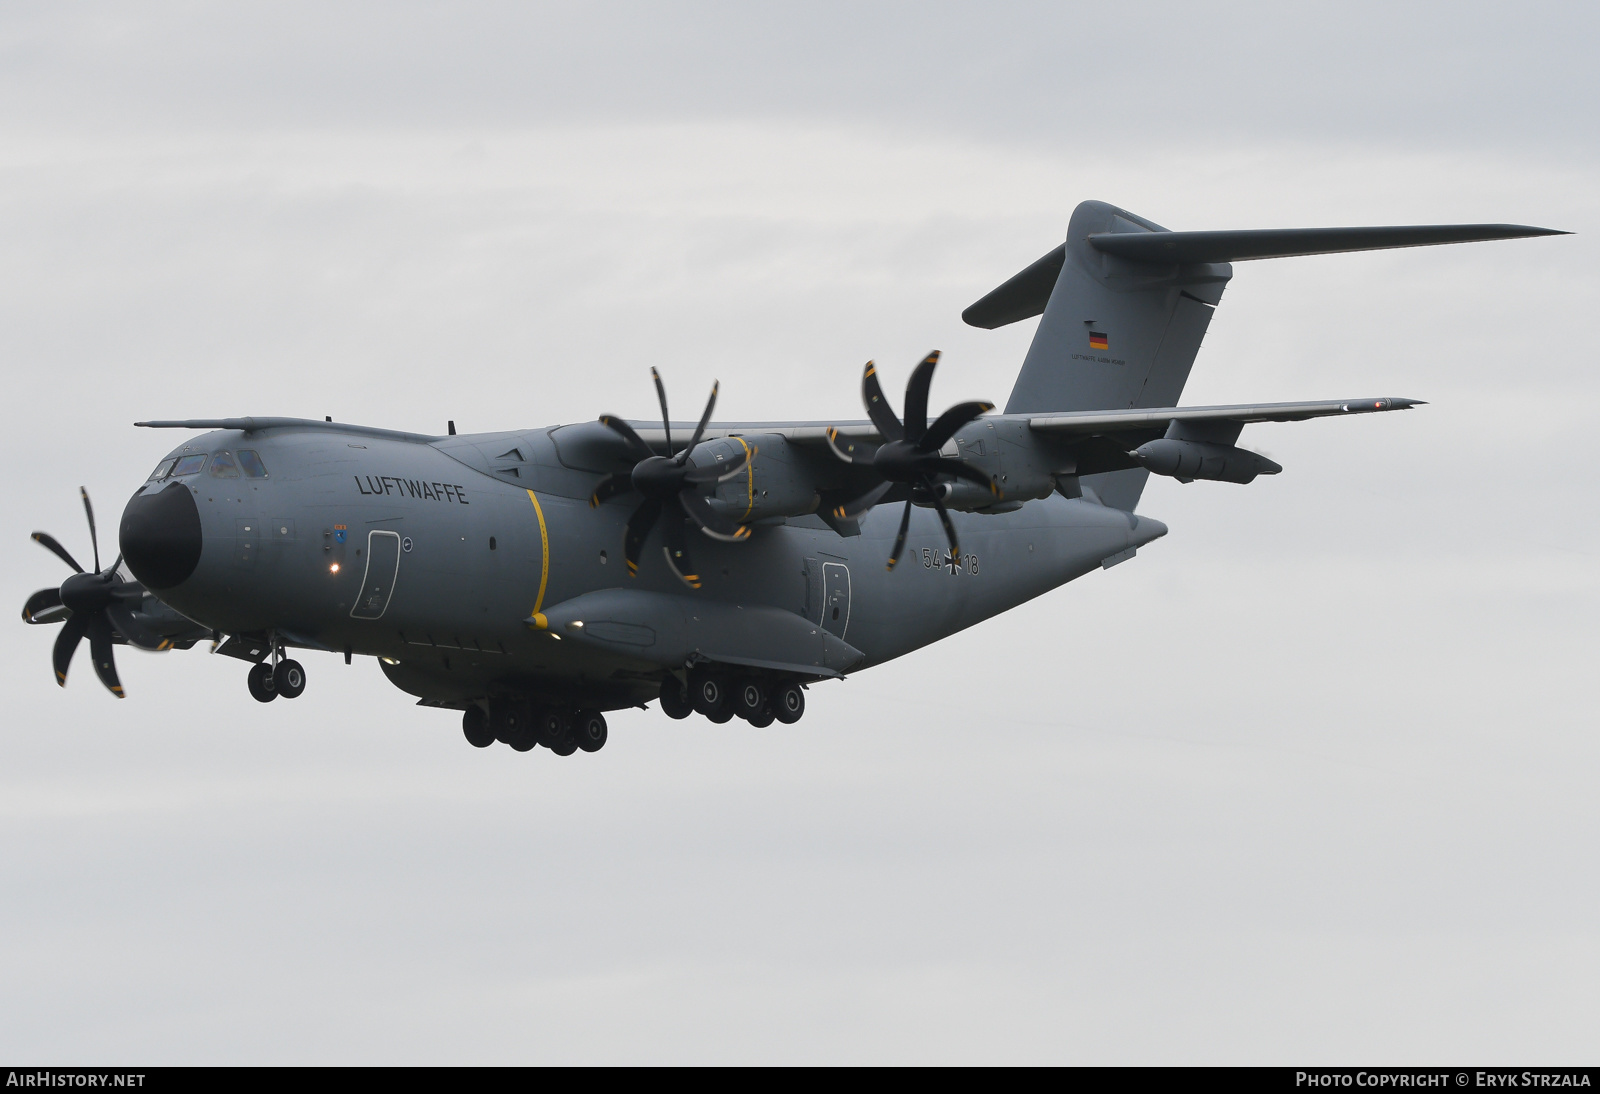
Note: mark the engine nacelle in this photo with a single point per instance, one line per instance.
(969, 497)
(1190, 460)
(775, 483)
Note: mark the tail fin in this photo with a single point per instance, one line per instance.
(1126, 304)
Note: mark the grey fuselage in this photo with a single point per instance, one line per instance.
(492, 531)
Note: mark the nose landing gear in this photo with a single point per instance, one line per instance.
(276, 676)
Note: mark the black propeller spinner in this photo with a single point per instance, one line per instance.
(909, 457)
(671, 488)
(93, 604)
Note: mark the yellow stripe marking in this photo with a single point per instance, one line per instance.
(750, 479)
(544, 549)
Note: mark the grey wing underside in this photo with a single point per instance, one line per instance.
(1081, 422)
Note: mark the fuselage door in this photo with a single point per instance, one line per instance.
(835, 598)
(383, 569)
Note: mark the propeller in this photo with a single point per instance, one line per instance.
(670, 487)
(92, 604)
(909, 457)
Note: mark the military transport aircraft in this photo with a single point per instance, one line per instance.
(535, 579)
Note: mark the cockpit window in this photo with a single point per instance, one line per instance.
(253, 467)
(223, 466)
(189, 465)
(163, 469)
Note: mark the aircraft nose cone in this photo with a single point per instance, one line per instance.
(160, 536)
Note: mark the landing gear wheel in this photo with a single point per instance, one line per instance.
(675, 699)
(763, 719)
(523, 740)
(721, 716)
(589, 730)
(289, 679)
(788, 703)
(551, 728)
(475, 725)
(260, 683)
(507, 720)
(750, 700)
(567, 744)
(708, 691)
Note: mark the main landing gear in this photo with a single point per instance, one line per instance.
(276, 676)
(524, 727)
(719, 695)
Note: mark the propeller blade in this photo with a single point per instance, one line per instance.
(711, 522)
(100, 651)
(900, 536)
(699, 430)
(40, 602)
(677, 550)
(639, 525)
(48, 542)
(851, 452)
(850, 510)
(966, 471)
(945, 426)
(135, 632)
(878, 407)
(949, 528)
(94, 540)
(624, 430)
(67, 644)
(721, 472)
(661, 396)
(917, 397)
(609, 487)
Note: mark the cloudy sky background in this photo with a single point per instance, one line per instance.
(1310, 781)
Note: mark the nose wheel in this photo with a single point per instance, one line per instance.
(262, 689)
(270, 679)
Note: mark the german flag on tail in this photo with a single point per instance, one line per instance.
(1098, 340)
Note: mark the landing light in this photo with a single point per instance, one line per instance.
(334, 568)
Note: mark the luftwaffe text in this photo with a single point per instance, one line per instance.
(433, 491)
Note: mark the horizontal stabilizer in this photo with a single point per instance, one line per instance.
(1242, 246)
(1025, 295)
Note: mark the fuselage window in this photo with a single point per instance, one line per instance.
(251, 462)
(163, 469)
(189, 465)
(223, 467)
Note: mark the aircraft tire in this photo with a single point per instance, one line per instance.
(708, 691)
(475, 725)
(289, 679)
(789, 703)
(721, 716)
(507, 718)
(675, 702)
(523, 740)
(749, 699)
(763, 718)
(589, 729)
(260, 683)
(550, 727)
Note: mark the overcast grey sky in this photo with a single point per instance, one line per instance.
(1311, 780)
